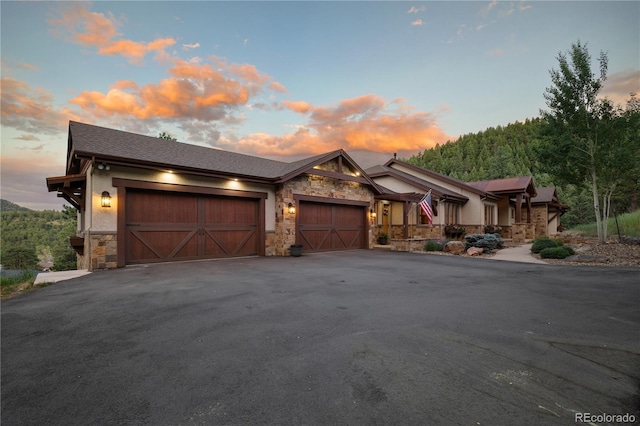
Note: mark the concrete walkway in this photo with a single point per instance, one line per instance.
(54, 277)
(517, 254)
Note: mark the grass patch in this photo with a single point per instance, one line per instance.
(12, 285)
(629, 226)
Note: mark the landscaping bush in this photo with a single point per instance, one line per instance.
(556, 252)
(487, 242)
(543, 243)
(433, 245)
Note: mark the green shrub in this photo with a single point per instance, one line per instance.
(487, 242)
(556, 252)
(433, 245)
(543, 243)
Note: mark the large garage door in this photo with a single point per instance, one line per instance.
(167, 226)
(323, 226)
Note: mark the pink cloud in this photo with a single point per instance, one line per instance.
(99, 30)
(31, 110)
(619, 86)
(192, 91)
(300, 107)
(29, 138)
(364, 123)
(496, 52)
(29, 67)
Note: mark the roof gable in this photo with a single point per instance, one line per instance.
(546, 194)
(423, 185)
(434, 175)
(337, 164)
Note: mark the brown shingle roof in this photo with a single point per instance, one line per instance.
(120, 147)
(545, 195)
(116, 145)
(508, 185)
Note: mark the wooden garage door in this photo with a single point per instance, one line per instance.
(323, 226)
(167, 226)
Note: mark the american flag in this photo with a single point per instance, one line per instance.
(425, 205)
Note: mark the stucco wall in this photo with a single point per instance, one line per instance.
(105, 219)
(471, 212)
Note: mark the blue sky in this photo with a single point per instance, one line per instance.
(287, 79)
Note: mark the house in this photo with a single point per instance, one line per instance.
(546, 211)
(513, 205)
(143, 199)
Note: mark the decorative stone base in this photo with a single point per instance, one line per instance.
(522, 232)
(413, 244)
(102, 250)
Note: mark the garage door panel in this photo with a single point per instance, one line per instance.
(231, 243)
(166, 226)
(345, 239)
(326, 226)
(348, 216)
(316, 240)
(315, 214)
(158, 207)
(228, 211)
(154, 246)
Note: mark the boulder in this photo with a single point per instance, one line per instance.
(474, 251)
(454, 247)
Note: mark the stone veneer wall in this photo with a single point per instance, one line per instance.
(102, 250)
(521, 232)
(278, 243)
(540, 217)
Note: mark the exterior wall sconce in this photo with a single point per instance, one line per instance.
(292, 208)
(105, 200)
(104, 166)
(372, 215)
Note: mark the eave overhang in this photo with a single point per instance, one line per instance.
(70, 187)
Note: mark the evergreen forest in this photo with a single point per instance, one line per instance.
(37, 239)
(516, 150)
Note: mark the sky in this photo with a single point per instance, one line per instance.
(289, 79)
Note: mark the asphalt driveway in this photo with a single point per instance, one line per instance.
(360, 337)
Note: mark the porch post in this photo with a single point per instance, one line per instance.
(518, 208)
(405, 220)
(528, 208)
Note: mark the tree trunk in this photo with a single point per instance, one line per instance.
(596, 205)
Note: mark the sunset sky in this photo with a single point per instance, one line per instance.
(286, 80)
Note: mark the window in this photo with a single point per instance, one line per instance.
(488, 214)
(422, 218)
(451, 213)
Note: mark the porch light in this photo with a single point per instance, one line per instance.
(105, 200)
(372, 214)
(292, 208)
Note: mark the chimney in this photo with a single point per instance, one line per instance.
(395, 155)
